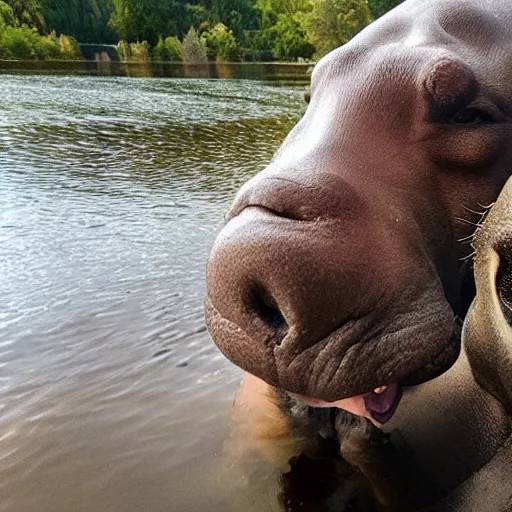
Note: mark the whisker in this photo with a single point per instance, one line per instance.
(486, 207)
(477, 225)
(481, 214)
(469, 256)
(466, 238)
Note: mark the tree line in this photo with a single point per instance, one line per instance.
(191, 30)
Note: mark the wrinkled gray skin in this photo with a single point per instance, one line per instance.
(340, 268)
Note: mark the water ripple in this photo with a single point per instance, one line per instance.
(112, 396)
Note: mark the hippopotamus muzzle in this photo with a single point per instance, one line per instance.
(341, 270)
(329, 300)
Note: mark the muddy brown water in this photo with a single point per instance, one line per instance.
(112, 395)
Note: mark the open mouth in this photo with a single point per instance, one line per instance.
(408, 362)
(383, 402)
(378, 406)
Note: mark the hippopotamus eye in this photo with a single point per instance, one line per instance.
(504, 285)
(472, 116)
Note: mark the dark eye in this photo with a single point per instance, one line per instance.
(472, 116)
(504, 285)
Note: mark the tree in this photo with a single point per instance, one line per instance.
(193, 48)
(86, 20)
(239, 15)
(221, 43)
(380, 7)
(139, 20)
(290, 41)
(28, 12)
(168, 49)
(6, 15)
(273, 8)
(332, 23)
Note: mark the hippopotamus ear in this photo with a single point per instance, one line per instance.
(451, 85)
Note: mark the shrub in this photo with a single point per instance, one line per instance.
(130, 52)
(18, 43)
(168, 49)
(221, 43)
(193, 48)
(123, 50)
(260, 40)
(69, 48)
(140, 51)
(23, 43)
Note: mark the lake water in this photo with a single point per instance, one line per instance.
(112, 189)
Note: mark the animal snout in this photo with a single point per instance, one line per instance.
(281, 266)
(300, 275)
(274, 279)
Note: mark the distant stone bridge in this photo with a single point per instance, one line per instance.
(99, 52)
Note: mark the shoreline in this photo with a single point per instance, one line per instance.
(268, 71)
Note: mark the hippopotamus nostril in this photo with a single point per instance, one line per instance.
(266, 309)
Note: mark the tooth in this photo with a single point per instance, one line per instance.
(380, 390)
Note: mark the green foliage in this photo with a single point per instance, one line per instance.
(168, 49)
(238, 15)
(221, 43)
(193, 48)
(28, 12)
(147, 20)
(123, 50)
(199, 16)
(380, 7)
(290, 41)
(258, 29)
(69, 48)
(282, 32)
(86, 20)
(140, 51)
(271, 9)
(6, 15)
(134, 52)
(23, 43)
(332, 23)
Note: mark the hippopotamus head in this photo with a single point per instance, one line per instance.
(340, 269)
(488, 327)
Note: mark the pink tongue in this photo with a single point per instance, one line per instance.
(383, 402)
(377, 407)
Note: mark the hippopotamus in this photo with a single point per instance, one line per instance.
(344, 273)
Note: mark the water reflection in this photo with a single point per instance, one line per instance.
(268, 71)
(112, 396)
